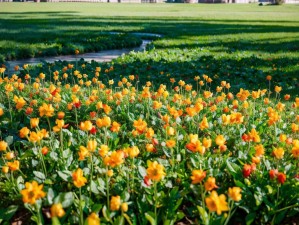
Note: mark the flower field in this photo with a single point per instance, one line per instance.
(78, 147)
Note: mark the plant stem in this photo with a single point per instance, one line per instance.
(107, 189)
(81, 221)
(155, 200)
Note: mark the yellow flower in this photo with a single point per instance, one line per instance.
(78, 178)
(220, 140)
(124, 207)
(24, 132)
(46, 110)
(5, 169)
(35, 136)
(155, 171)
(204, 124)
(104, 122)
(278, 153)
(198, 176)
(57, 210)
(34, 122)
(216, 203)
(235, 193)
(92, 145)
(93, 219)
(32, 192)
(133, 151)
(115, 203)
(86, 126)
(277, 89)
(1, 112)
(3, 146)
(20, 102)
(83, 153)
(103, 150)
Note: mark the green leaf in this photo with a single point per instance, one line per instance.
(128, 219)
(150, 217)
(233, 168)
(94, 188)
(96, 208)
(66, 199)
(250, 218)
(9, 140)
(50, 196)
(203, 215)
(55, 221)
(280, 216)
(64, 175)
(7, 213)
(39, 175)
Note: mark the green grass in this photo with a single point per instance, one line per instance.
(244, 41)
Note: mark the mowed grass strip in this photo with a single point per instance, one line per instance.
(264, 39)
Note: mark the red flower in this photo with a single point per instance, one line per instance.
(245, 137)
(247, 170)
(77, 104)
(147, 181)
(93, 114)
(272, 174)
(281, 178)
(93, 130)
(155, 141)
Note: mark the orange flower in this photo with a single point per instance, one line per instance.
(235, 193)
(46, 110)
(3, 146)
(20, 102)
(32, 192)
(216, 203)
(13, 166)
(140, 125)
(259, 150)
(93, 219)
(115, 203)
(170, 143)
(210, 184)
(1, 112)
(78, 178)
(104, 122)
(34, 122)
(57, 210)
(155, 171)
(295, 149)
(115, 127)
(115, 159)
(254, 136)
(198, 176)
(60, 125)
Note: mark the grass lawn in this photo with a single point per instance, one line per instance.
(246, 42)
